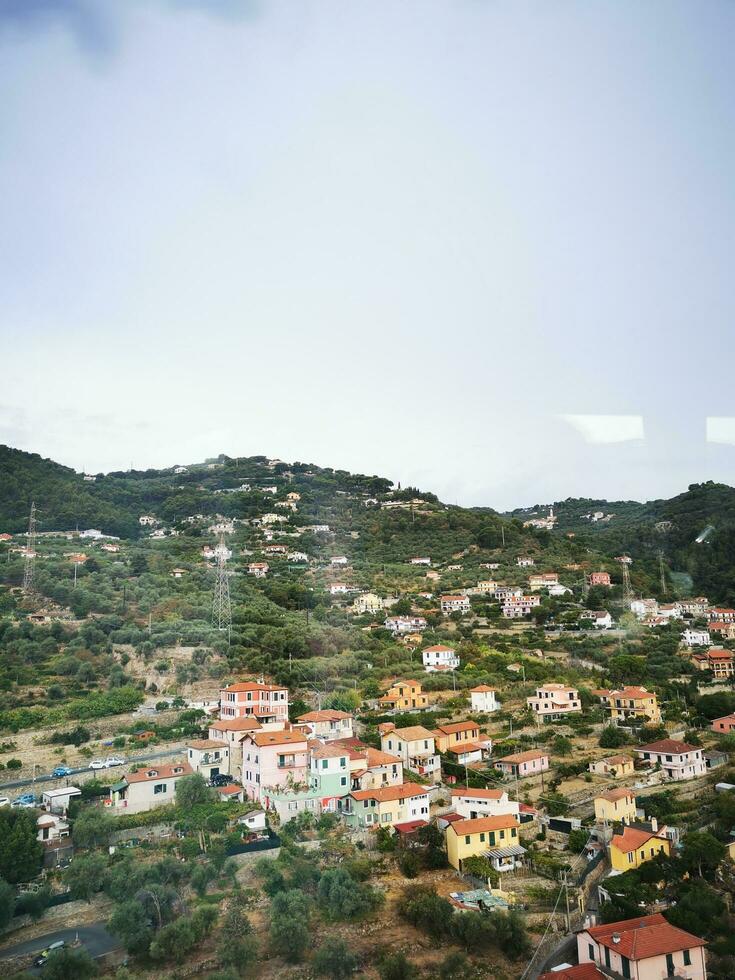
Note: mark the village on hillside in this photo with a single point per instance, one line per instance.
(387, 734)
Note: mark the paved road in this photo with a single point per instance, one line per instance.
(95, 938)
(85, 770)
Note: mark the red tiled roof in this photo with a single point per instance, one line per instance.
(409, 826)
(478, 794)
(154, 772)
(669, 746)
(481, 824)
(642, 938)
(583, 971)
(385, 794)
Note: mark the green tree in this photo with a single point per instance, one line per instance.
(702, 853)
(237, 947)
(7, 903)
(93, 828)
(131, 924)
(289, 931)
(192, 791)
(409, 862)
(611, 737)
(344, 898)
(562, 746)
(20, 853)
(454, 966)
(334, 959)
(70, 964)
(85, 875)
(395, 966)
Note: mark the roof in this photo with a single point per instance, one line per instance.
(409, 826)
(482, 689)
(278, 738)
(633, 693)
(206, 743)
(247, 724)
(439, 649)
(254, 686)
(632, 838)
(457, 726)
(582, 971)
(375, 757)
(411, 734)
(454, 598)
(321, 751)
(327, 714)
(462, 747)
(642, 938)
(669, 746)
(617, 794)
(154, 772)
(385, 794)
(528, 756)
(450, 817)
(478, 794)
(481, 824)
(616, 760)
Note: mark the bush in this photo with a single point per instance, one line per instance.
(289, 932)
(422, 907)
(13, 764)
(612, 737)
(409, 863)
(344, 898)
(334, 959)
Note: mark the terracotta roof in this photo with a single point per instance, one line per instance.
(375, 757)
(439, 649)
(478, 794)
(453, 598)
(247, 724)
(409, 826)
(524, 756)
(411, 734)
(278, 738)
(321, 751)
(616, 760)
(253, 686)
(481, 824)
(583, 971)
(642, 938)
(327, 714)
(669, 746)
(385, 794)
(463, 747)
(153, 772)
(617, 794)
(206, 743)
(230, 790)
(632, 838)
(457, 726)
(482, 689)
(450, 817)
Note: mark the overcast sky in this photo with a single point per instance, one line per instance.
(484, 247)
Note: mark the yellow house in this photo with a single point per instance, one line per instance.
(494, 837)
(635, 846)
(615, 766)
(615, 806)
(403, 695)
(630, 702)
(456, 734)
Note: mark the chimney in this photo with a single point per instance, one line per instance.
(654, 825)
(616, 937)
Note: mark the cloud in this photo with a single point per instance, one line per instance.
(607, 428)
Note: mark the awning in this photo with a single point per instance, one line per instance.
(515, 850)
(117, 787)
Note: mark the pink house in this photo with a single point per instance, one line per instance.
(554, 700)
(646, 948)
(273, 760)
(724, 725)
(600, 578)
(266, 702)
(523, 763)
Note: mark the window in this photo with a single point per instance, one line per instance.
(467, 839)
(591, 951)
(325, 763)
(670, 965)
(343, 781)
(687, 958)
(625, 967)
(482, 838)
(159, 788)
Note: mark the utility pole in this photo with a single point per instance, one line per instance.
(565, 885)
(30, 556)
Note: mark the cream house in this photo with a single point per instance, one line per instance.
(148, 788)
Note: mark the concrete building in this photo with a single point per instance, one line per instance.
(677, 759)
(265, 702)
(553, 701)
(416, 748)
(484, 699)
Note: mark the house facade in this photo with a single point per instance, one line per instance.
(615, 806)
(416, 748)
(613, 766)
(637, 845)
(522, 764)
(328, 723)
(148, 788)
(439, 658)
(494, 837)
(646, 948)
(209, 756)
(273, 759)
(553, 701)
(484, 699)
(463, 741)
(265, 702)
(404, 696)
(677, 759)
(405, 624)
(630, 702)
(473, 803)
(386, 806)
(725, 725)
(454, 603)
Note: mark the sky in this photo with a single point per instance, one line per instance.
(476, 246)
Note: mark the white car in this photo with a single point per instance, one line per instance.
(4, 801)
(114, 760)
(97, 764)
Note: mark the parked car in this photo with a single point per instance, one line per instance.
(220, 779)
(114, 760)
(4, 801)
(97, 764)
(62, 771)
(42, 958)
(27, 799)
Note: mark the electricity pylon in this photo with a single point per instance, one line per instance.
(626, 562)
(221, 608)
(662, 570)
(30, 556)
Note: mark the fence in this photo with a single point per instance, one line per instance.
(267, 844)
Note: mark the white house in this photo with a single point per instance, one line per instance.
(421, 561)
(696, 638)
(338, 560)
(473, 803)
(147, 520)
(454, 603)
(484, 699)
(338, 588)
(258, 568)
(299, 556)
(678, 760)
(405, 624)
(439, 658)
(525, 562)
(597, 618)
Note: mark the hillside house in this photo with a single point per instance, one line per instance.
(138, 792)
(386, 806)
(724, 631)
(420, 561)
(720, 662)
(646, 948)
(698, 606)
(515, 607)
(486, 587)
(258, 568)
(462, 740)
(298, 556)
(371, 768)
(439, 657)
(643, 608)
(522, 764)
(638, 844)
(209, 756)
(600, 579)
(454, 603)
(405, 624)
(696, 638)
(615, 806)
(525, 562)
(677, 759)
(494, 837)
(403, 696)
(416, 748)
(613, 766)
(367, 602)
(553, 701)
(273, 760)
(484, 699)
(543, 580)
(328, 723)
(597, 618)
(338, 560)
(630, 702)
(724, 725)
(339, 588)
(265, 702)
(473, 803)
